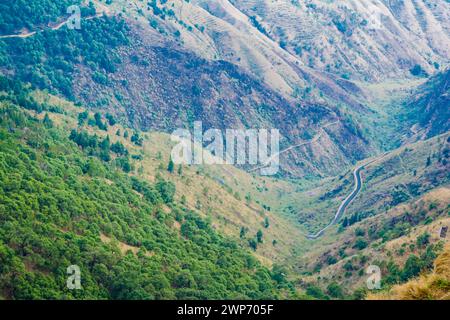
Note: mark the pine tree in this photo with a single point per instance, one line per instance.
(266, 222)
(48, 123)
(253, 244)
(259, 236)
(171, 166)
(243, 232)
(345, 222)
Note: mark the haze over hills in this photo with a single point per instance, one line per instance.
(85, 154)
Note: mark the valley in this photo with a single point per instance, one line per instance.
(87, 177)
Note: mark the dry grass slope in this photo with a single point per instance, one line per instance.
(433, 286)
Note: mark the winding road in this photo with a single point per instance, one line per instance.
(348, 200)
(277, 155)
(56, 27)
(340, 211)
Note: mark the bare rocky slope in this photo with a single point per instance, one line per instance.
(369, 39)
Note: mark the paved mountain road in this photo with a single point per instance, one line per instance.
(348, 200)
(340, 211)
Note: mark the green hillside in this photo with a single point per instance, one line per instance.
(58, 201)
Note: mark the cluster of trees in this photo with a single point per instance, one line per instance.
(354, 218)
(97, 121)
(15, 92)
(96, 146)
(254, 21)
(255, 241)
(52, 217)
(413, 266)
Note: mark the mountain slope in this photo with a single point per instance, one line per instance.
(432, 286)
(403, 242)
(428, 108)
(369, 39)
(150, 82)
(70, 201)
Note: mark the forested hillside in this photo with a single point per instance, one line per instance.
(428, 108)
(146, 79)
(64, 204)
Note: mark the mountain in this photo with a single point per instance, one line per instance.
(367, 40)
(117, 72)
(357, 89)
(428, 107)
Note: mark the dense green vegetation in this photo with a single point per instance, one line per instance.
(49, 58)
(57, 198)
(32, 13)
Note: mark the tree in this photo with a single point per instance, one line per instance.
(180, 170)
(105, 144)
(345, 222)
(266, 222)
(360, 294)
(136, 139)
(316, 292)
(110, 119)
(279, 273)
(124, 163)
(48, 123)
(243, 232)
(360, 243)
(259, 236)
(170, 166)
(82, 117)
(418, 71)
(253, 244)
(412, 268)
(359, 232)
(423, 239)
(184, 280)
(119, 148)
(98, 121)
(331, 260)
(335, 290)
(166, 189)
